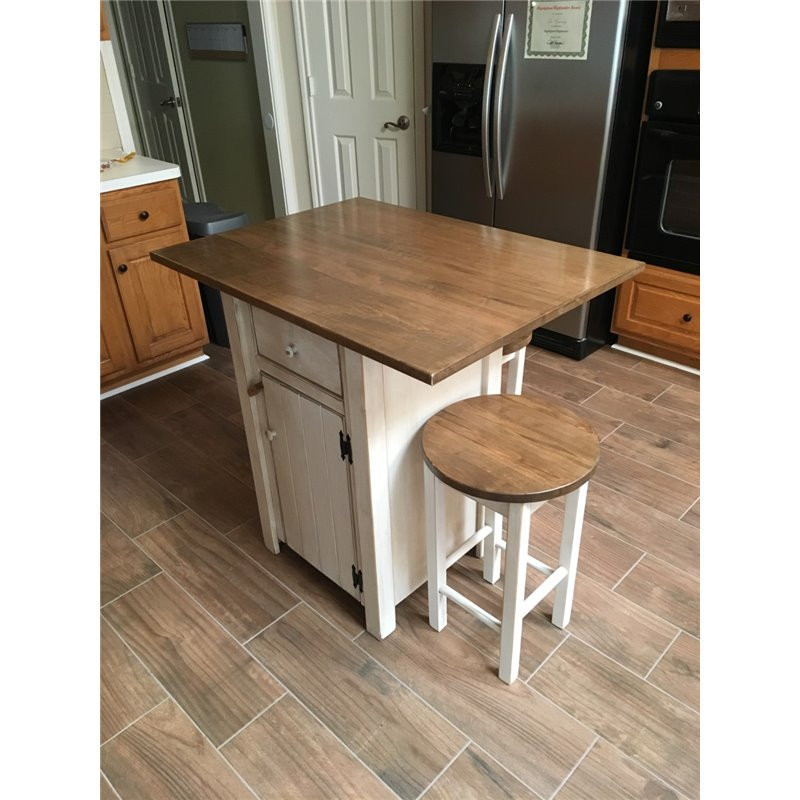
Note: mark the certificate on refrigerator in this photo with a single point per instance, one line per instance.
(558, 29)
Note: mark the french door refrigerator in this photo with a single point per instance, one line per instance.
(536, 141)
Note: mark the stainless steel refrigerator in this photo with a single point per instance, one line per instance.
(526, 138)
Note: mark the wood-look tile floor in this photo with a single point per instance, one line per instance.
(230, 672)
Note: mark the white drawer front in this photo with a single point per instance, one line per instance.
(298, 350)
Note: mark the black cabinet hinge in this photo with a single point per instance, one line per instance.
(358, 579)
(345, 447)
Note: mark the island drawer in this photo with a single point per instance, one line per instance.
(132, 212)
(298, 350)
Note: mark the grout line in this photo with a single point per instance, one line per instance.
(641, 765)
(547, 658)
(577, 764)
(503, 768)
(610, 433)
(658, 660)
(182, 709)
(248, 724)
(688, 510)
(258, 633)
(109, 784)
(628, 572)
(655, 469)
(291, 591)
(652, 402)
(122, 730)
(446, 767)
(320, 721)
(133, 588)
(589, 397)
(159, 524)
(635, 674)
(449, 721)
(267, 671)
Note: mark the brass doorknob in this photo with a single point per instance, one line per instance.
(401, 124)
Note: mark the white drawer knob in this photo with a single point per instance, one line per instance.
(290, 350)
(271, 434)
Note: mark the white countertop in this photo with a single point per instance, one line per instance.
(137, 172)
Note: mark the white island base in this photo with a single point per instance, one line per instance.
(362, 523)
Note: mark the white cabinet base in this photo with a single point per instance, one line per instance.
(384, 411)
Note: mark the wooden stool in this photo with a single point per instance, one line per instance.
(509, 454)
(514, 355)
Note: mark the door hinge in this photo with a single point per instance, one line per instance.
(310, 85)
(358, 579)
(345, 447)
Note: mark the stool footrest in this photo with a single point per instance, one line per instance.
(539, 566)
(476, 537)
(545, 587)
(473, 608)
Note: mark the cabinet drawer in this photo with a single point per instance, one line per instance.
(298, 350)
(144, 209)
(662, 306)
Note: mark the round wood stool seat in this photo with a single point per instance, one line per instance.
(510, 448)
(509, 453)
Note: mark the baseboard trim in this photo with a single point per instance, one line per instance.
(147, 378)
(650, 357)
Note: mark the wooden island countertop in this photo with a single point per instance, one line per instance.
(424, 294)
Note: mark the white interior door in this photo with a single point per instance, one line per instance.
(359, 63)
(153, 82)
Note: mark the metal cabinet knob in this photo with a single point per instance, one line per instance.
(687, 317)
(122, 268)
(290, 350)
(401, 124)
(658, 105)
(271, 434)
(143, 215)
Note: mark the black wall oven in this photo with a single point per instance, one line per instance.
(664, 221)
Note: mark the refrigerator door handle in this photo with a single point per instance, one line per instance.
(498, 104)
(487, 96)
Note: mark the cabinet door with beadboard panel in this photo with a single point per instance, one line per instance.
(162, 306)
(313, 482)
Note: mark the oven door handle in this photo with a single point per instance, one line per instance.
(487, 97)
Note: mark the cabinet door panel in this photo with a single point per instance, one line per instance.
(313, 483)
(116, 348)
(163, 307)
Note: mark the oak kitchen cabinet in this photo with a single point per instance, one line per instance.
(150, 317)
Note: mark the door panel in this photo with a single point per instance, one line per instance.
(313, 483)
(162, 305)
(360, 62)
(163, 128)
(556, 115)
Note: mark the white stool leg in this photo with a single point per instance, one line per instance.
(491, 553)
(519, 524)
(515, 369)
(437, 554)
(480, 521)
(568, 558)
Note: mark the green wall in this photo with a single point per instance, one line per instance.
(226, 115)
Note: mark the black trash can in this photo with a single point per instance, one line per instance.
(205, 219)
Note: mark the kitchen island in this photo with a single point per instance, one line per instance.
(350, 326)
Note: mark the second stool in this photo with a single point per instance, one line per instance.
(510, 454)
